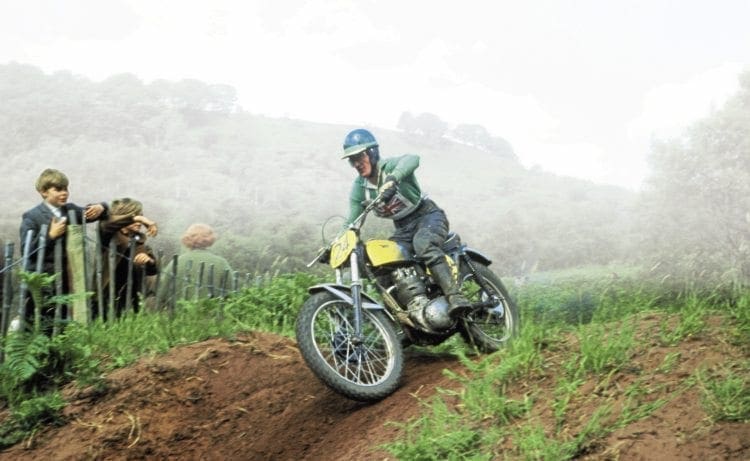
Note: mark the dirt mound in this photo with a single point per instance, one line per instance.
(254, 399)
(250, 399)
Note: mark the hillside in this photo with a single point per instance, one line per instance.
(253, 399)
(269, 194)
(267, 185)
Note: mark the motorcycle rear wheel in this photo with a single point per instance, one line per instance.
(365, 369)
(488, 329)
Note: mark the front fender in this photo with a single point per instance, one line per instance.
(345, 293)
(474, 255)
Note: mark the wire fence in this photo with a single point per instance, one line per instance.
(95, 289)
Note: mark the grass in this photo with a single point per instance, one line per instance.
(595, 322)
(725, 394)
(576, 345)
(36, 366)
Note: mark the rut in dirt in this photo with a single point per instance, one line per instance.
(252, 398)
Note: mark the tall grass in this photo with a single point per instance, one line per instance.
(581, 326)
(739, 310)
(595, 316)
(36, 366)
(726, 394)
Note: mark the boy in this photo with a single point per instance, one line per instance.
(52, 185)
(123, 225)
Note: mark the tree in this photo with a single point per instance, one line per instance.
(697, 202)
(426, 125)
(478, 136)
(475, 135)
(406, 122)
(430, 126)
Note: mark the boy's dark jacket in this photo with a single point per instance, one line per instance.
(40, 215)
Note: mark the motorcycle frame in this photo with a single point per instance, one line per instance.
(352, 294)
(360, 300)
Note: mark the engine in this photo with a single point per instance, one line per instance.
(411, 291)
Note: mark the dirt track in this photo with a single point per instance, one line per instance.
(246, 400)
(254, 399)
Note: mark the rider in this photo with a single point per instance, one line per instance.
(420, 223)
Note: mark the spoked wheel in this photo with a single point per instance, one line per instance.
(490, 328)
(365, 367)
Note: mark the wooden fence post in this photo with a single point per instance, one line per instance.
(24, 286)
(98, 267)
(76, 254)
(58, 264)
(112, 262)
(199, 285)
(7, 293)
(187, 278)
(159, 259)
(210, 282)
(172, 288)
(129, 280)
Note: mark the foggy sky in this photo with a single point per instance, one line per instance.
(577, 87)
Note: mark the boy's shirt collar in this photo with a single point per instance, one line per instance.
(55, 210)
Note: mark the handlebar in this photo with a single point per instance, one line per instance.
(360, 220)
(355, 225)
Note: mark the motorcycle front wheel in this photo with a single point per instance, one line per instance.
(365, 367)
(489, 328)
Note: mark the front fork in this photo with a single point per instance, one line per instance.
(356, 288)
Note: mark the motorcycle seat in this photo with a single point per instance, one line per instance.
(452, 242)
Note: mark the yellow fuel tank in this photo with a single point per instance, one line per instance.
(381, 252)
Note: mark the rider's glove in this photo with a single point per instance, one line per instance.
(388, 189)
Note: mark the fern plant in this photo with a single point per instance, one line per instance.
(25, 356)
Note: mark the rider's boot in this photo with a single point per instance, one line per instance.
(444, 277)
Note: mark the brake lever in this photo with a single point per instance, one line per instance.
(318, 256)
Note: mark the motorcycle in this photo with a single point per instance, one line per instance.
(354, 342)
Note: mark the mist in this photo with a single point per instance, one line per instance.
(190, 153)
(578, 90)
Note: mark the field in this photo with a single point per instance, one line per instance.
(602, 370)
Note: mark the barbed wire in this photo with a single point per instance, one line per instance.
(37, 249)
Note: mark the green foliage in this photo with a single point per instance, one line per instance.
(36, 365)
(726, 393)
(740, 312)
(565, 390)
(638, 405)
(273, 306)
(521, 357)
(484, 398)
(486, 385)
(486, 415)
(35, 283)
(694, 210)
(533, 444)
(556, 304)
(29, 415)
(440, 435)
(604, 347)
(579, 296)
(25, 356)
(669, 363)
(692, 309)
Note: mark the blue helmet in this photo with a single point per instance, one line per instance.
(361, 140)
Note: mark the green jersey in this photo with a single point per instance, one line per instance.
(408, 195)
